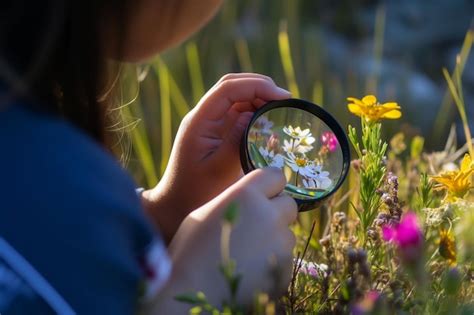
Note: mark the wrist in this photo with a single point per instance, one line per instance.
(162, 210)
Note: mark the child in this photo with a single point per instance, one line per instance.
(74, 235)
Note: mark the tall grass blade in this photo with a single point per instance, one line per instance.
(444, 116)
(165, 106)
(197, 82)
(318, 93)
(243, 54)
(372, 82)
(181, 106)
(285, 54)
(456, 93)
(141, 144)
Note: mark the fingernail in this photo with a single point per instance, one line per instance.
(283, 91)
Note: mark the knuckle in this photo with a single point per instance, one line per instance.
(187, 118)
(267, 77)
(256, 175)
(226, 77)
(225, 84)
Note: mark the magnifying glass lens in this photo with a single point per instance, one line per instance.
(302, 145)
(304, 141)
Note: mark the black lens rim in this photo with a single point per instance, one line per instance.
(328, 119)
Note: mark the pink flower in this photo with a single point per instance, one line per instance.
(406, 235)
(330, 141)
(367, 305)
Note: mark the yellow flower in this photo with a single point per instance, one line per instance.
(457, 183)
(371, 110)
(447, 246)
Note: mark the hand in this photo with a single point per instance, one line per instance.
(260, 235)
(205, 156)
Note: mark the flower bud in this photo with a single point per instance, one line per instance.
(273, 143)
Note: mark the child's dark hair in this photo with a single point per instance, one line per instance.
(52, 55)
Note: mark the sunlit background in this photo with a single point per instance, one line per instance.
(322, 51)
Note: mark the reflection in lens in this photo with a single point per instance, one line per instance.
(300, 144)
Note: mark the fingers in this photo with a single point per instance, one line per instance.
(269, 180)
(228, 150)
(287, 207)
(215, 104)
(231, 76)
(235, 135)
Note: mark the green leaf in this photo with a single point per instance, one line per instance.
(191, 298)
(257, 158)
(195, 310)
(357, 211)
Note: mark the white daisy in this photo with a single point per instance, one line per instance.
(316, 177)
(304, 136)
(295, 133)
(263, 125)
(274, 160)
(295, 146)
(298, 163)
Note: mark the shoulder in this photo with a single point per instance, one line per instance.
(51, 145)
(51, 165)
(71, 210)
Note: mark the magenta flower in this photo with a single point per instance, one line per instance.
(330, 141)
(406, 235)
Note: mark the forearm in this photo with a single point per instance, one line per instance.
(163, 212)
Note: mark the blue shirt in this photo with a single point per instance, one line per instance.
(73, 236)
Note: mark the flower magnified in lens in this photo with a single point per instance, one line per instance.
(273, 143)
(371, 110)
(316, 177)
(303, 136)
(274, 160)
(294, 146)
(298, 163)
(291, 148)
(329, 140)
(263, 125)
(457, 183)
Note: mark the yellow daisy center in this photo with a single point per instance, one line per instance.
(301, 162)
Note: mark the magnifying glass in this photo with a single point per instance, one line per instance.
(303, 140)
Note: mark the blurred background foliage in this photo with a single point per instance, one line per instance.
(322, 51)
